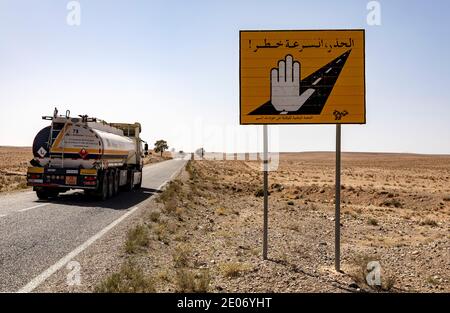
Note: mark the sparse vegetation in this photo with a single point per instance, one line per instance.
(154, 215)
(164, 275)
(13, 166)
(129, 279)
(429, 222)
(161, 232)
(221, 211)
(432, 280)
(200, 237)
(181, 256)
(392, 202)
(189, 281)
(359, 274)
(172, 191)
(259, 193)
(233, 269)
(193, 174)
(137, 239)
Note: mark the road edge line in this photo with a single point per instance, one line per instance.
(33, 207)
(35, 282)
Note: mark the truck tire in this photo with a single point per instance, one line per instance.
(139, 185)
(129, 186)
(111, 183)
(42, 194)
(103, 187)
(116, 182)
(46, 194)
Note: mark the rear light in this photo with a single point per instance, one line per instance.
(34, 176)
(90, 180)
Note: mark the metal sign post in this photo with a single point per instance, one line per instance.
(337, 218)
(266, 192)
(273, 88)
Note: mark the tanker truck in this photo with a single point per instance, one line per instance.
(86, 153)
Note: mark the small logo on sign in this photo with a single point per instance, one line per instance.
(339, 115)
(42, 152)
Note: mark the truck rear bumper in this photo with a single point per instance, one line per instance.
(59, 186)
(62, 178)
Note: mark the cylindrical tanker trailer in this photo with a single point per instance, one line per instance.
(86, 153)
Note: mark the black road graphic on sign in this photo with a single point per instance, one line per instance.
(319, 85)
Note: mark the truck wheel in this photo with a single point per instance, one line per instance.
(53, 193)
(103, 190)
(116, 182)
(139, 185)
(111, 184)
(42, 194)
(46, 194)
(129, 185)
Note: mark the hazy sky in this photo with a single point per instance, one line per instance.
(173, 66)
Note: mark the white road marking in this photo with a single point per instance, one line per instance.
(328, 70)
(172, 176)
(35, 282)
(33, 207)
(317, 80)
(338, 61)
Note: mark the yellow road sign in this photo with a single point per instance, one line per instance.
(302, 77)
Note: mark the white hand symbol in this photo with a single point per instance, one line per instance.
(285, 86)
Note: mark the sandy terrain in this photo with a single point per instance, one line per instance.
(204, 232)
(154, 157)
(13, 167)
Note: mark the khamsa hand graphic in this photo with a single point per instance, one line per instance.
(285, 86)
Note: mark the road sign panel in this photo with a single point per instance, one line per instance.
(302, 77)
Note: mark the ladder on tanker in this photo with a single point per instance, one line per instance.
(53, 135)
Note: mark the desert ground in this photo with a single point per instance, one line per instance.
(204, 231)
(13, 167)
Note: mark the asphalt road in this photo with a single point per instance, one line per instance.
(34, 234)
(320, 83)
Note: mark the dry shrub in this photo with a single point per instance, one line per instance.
(359, 274)
(233, 269)
(429, 222)
(189, 281)
(137, 239)
(181, 255)
(129, 279)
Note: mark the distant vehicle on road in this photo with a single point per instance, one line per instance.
(86, 153)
